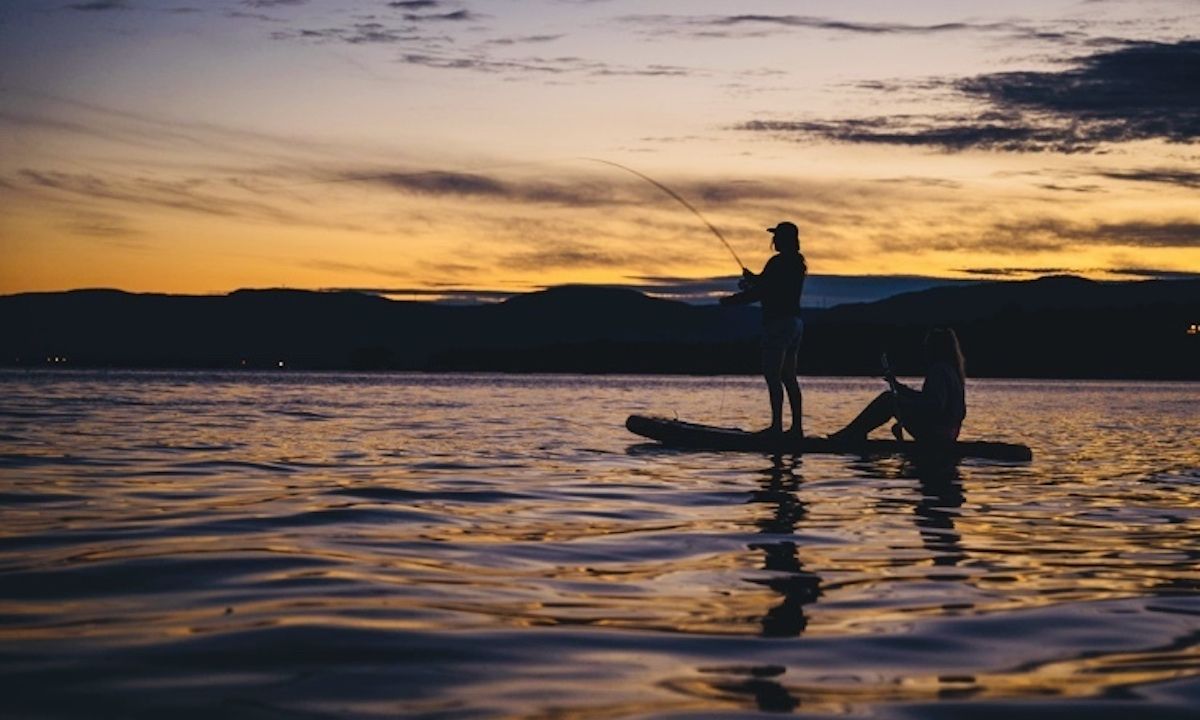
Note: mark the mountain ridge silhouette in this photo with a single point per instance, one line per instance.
(1056, 326)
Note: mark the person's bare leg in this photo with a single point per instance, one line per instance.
(772, 368)
(876, 413)
(792, 386)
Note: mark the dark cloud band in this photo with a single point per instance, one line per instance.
(1138, 91)
(757, 25)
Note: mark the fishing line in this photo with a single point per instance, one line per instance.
(715, 231)
(681, 200)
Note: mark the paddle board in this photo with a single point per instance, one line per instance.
(680, 434)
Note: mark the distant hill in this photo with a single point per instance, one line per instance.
(952, 305)
(1058, 326)
(260, 328)
(1052, 327)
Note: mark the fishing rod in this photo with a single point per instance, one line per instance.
(681, 200)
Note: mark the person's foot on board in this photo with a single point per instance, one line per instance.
(795, 432)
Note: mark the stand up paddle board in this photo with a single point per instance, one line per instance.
(679, 434)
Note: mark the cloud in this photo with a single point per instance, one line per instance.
(1142, 90)
(1156, 273)
(609, 187)
(394, 272)
(917, 181)
(1046, 234)
(734, 191)
(1165, 176)
(414, 4)
(1021, 271)
(1082, 189)
(1028, 272)
(566, 254)
(1139, 91)
(99, 5)
(107, 228)
(159, 147)
(204, 197)
(1056, 234)
(241, 14)
(359, 34)
(988, 131)
(455, 16)
(441, 52)
(760, 25)
(437, 183)
(273, 3)
(523, 39)
(481, 62)
(566, 192)
(1177, 234)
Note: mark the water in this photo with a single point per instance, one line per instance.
(306, 545)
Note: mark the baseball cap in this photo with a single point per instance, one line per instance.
(785, 228)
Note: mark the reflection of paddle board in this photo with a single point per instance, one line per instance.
(679, 434)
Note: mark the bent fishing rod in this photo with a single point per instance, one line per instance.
(681, 200)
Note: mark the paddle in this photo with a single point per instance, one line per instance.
(888, 375)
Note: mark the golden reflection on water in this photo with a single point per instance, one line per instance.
(1081, 678)
(218, 509)
(1007, 561)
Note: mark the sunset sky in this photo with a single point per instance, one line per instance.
(436, 145)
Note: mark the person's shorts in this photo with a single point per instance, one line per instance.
(782, 333)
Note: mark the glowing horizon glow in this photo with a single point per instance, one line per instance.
(321, 144)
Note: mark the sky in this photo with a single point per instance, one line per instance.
(448, 148)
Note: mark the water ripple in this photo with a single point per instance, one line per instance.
(279, 545)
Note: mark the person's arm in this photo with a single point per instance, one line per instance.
(905, 392)
(898, 388)
(742, 298)
(751, 288)
(934, 394)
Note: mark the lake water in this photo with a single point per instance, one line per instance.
(330, 545)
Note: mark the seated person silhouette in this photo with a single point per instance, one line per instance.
(934, 414)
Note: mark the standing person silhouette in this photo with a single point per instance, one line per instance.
(778, 288)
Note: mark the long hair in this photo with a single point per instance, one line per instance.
(790, 245)
(941, 345)
(787, 244)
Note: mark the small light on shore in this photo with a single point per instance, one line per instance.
(1194, 329)
(280, 363)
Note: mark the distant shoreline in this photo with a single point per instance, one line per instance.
(1053, 328)
(348, 372)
